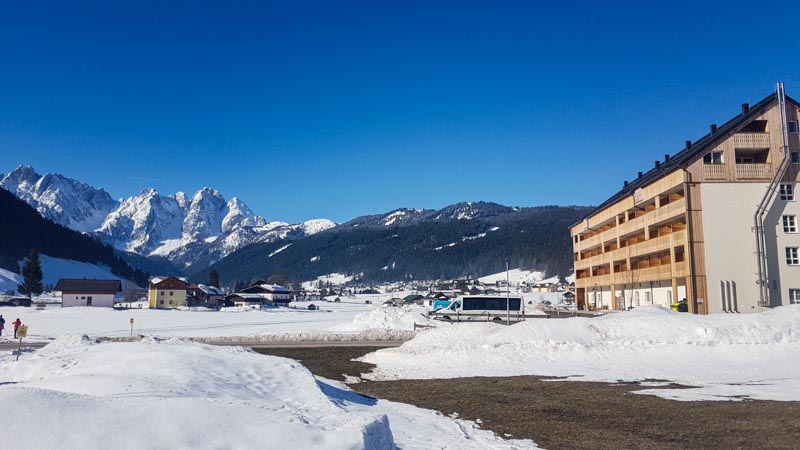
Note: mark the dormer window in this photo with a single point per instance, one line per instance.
(713, 158)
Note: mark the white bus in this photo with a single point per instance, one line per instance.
(482, 308)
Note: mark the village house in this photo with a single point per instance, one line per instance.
(204, 295)
(167, 292)
(274, 294)
(244, 300)
(88, 292)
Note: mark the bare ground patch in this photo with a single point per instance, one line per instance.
(569, 415)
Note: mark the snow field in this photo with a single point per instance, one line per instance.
(156, 394)
(723, 356)
(342, 321)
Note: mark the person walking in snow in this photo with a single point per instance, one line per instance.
(16, 324)
(2, 324)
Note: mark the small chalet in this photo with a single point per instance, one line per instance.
(204, 295)
(277, 295)
(167, 292)
(244, 300)
(85, 292)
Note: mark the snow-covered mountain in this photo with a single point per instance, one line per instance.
(410, 216)
(63, 200)
(191, 232)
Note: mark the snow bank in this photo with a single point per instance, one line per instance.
(725, 355)
(389, 318)
(77, 393)
(172, 394)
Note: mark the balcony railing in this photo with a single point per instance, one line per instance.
(751, 140)
(715, 171)
(753, 171)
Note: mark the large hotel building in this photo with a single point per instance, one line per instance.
(715, 224)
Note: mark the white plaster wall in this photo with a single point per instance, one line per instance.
(98, 300)
(731, 264)
(782, 276)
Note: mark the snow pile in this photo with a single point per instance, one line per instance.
(389, 318)
(178, 395)
(79, 394)
(725, 356)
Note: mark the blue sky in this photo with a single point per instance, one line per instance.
(339, 109)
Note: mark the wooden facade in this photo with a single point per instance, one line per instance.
(652, 231)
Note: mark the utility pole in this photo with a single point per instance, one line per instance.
(508, 295)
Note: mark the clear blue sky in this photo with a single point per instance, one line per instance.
(337, 109)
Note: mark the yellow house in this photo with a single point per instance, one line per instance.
(167, 292)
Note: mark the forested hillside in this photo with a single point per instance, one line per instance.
(23, 229)
(427, 249)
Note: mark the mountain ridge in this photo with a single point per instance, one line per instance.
(189, 231)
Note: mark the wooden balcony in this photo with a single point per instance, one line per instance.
(658, 215)
(715, 171)
(754, 171)
(652, 245)
(751, 140)
(655, 273)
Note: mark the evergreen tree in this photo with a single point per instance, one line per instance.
(31, 276)
(213, 278)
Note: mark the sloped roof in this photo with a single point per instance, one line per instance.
(159, 279)
(688, 155)
(88, 285)
(210, 290)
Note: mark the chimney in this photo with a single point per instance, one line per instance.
(745, 108)
(640, 174)
(626, 183)
(658, 164)
(666, 158)
(688, 144)
(713, 128)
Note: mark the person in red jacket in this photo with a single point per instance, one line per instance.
(16, 324)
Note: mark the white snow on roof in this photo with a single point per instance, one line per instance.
(210, 290)
(724, 356)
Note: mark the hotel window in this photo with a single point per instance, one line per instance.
(787, 191)
(713, 158)
(792, 126)
(794, 296)
(790, 224)
(792, 257)
(795, 157)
